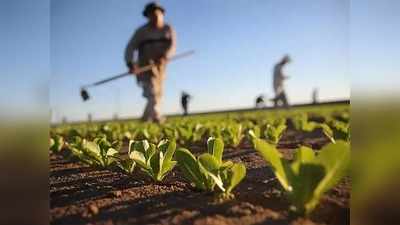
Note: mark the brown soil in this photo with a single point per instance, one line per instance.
(83, 195)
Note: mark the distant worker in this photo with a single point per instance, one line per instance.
(278, 78)
(185, 98)
(315, 96)
(260, 102)
(155, 42)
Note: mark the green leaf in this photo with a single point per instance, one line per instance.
(209, 162)
(112, 152)
(127, 165)
(327, 131)
(150, 151)
(56, 143)
(168, 148)
(139, 158)
(336, 160)
(92, 147)
(304, 184)
(167, 166)
(235, 175)
(255, 132)
(215, 147)
(279, 165)
(189, 166)
(141, 146)
(217, 180)
(301, 156)
(226, 164)
(155, 165)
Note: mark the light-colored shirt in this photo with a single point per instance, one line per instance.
(151, 43)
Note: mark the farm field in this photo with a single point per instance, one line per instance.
(222, 169)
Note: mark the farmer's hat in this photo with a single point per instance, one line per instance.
(150, 7)
(286, 58)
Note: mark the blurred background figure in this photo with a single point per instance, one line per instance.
(260, 101)
(89, 117)
(315, 96)
(185, 98)
(155, 43)
(278, 78)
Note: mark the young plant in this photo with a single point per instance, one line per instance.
(208, 170)
(56, 143)
(274, 133)
(99, 152)
(233, 134)
(127, 165)
(309, 176)
(301, 122)
(155, 161)
(198, 132)
(185, 133)
(341, 130)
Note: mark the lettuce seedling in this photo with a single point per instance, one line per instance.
(301, 122)
(127, 165)
(341, 130)
(232, 134)
(208, 170)
(155, 161)
(170, 132)
(185, 133)
(308, 176)
(56, 143)
(99, 152)
(274, 133)
(198, 132)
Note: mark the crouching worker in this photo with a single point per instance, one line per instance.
(154, 42)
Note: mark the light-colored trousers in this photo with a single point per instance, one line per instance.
(152, 91)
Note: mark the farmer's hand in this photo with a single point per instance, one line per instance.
(133, 69)
(162, 60)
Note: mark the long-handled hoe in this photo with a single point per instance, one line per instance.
(85, 94)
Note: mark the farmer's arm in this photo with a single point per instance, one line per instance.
(130, 49)
(172, 48)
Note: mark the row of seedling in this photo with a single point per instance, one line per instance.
(305, 178)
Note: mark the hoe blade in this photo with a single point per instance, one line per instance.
(84, 94)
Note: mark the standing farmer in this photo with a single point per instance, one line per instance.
(279, 77)
(155, 42)
(185, 98)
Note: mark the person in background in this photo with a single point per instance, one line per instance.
(278, 79)
(315, 96)
(185, 98)
(154, 43)
(260, 102)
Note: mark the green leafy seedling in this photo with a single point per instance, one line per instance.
(208, 170)
(56, 143)
(301, 123)
(274, 133)
(233, 134)
(156, 161)
(127, 165)
(98, 153)
(309, 176)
